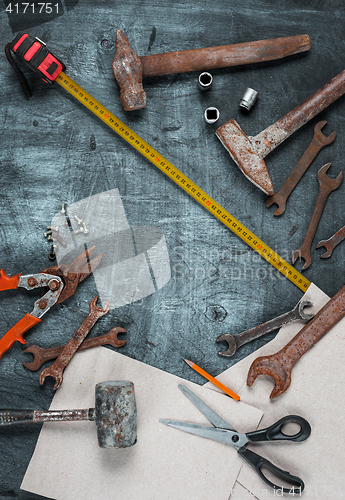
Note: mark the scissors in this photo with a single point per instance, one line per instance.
(225, 433)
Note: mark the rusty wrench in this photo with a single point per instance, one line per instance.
(326, 186)
(331, 243)
(317, 143)
(41, 355)
(56, 369)
(236, 341)
(279, 365)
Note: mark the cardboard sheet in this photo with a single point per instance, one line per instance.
(165, 464)
(317, 393)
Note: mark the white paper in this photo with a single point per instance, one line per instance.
(165, 464)
(317, 393)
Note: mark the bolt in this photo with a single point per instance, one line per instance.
(42, 304)
(54, 228)
(52, 255)
(54, 284)
(78, 220)
(49, 237)
(63, 209)
(32, 281)
(86, 231)
(78, 231)
(47, 232)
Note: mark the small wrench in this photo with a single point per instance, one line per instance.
(331, 243)
(236, 341)
(56, 369)
(317, 143)
(326, 186)
(41, 355)
(279, 365)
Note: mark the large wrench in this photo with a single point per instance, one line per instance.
(326, 186)
(41, 355)
(56, 369)
(236, 341)
(331, 243)
(317, 143)
(279, 365)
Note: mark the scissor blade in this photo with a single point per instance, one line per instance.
(89, 267)
(210, 414)
(221, 435)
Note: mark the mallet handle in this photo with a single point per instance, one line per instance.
(223, 56)
(12, 417)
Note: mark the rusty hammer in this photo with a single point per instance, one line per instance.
(129, 69)
(248, 152)
(115, 414)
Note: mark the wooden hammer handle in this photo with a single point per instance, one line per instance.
(223, 56)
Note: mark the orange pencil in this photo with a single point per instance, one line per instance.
(213, 380)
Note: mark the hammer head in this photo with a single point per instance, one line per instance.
(127, 69)
(115, 414)
(243, 151)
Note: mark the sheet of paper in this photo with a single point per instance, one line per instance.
(317, 393)
(165, 464)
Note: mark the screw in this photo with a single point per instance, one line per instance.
(49, 237)
(63, 209)
(48, 232)
(54, 228)
(78, 231)
(42, 304)
(80, 222)
(52, 255)
(86, 231)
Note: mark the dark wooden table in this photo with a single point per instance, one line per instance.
(54, 151)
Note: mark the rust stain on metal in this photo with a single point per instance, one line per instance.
(248, 152)
(279, 365)
(331, 243)
(56, 369)
(129, 69)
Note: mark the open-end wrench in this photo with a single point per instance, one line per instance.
(279, 365)
(56, 369)
(317, 143)
(236, 341)
(326, 186)
(41, 355)
(331, 243)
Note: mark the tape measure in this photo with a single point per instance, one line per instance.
(173, 173)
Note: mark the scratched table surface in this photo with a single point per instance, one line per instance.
(54, 151)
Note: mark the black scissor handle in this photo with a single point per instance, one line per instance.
(274, 431)
(258, 462)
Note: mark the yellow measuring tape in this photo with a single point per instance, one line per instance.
(184, 182)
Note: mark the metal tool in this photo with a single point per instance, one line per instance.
(129, 69)
(279, 365)
(167, 168)
(331, 243)
(248, 152)
(41, 355)
(226, 434)
(205, 81)
(236, 341)
(326, 186)
(211, 115)
(56, 369)
(115, 414)
(62, 282)
(317, 143)
(248, 99)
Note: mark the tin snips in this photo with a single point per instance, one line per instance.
(61, 282)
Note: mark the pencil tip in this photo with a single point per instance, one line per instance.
(190, 363)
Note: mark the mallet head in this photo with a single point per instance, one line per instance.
(243, 151)
(127, 69)
(115, 414)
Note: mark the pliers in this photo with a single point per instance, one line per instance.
(61, 281)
